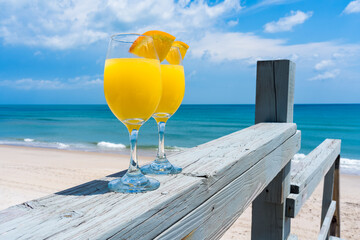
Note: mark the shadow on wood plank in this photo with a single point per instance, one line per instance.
(95, 187)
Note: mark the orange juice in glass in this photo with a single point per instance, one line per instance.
(132, 87)
(173, 89)
(127, 84)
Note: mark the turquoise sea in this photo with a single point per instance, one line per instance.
(94, 127)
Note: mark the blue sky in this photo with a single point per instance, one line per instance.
(54, 51)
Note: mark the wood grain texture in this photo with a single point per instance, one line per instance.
(265, 107)
(275, 82)
(335, 223)
(309, 173)
(327, 192)
(270, 204)
(315, 164)
(285, 85)
(325, 227)
(212, 218)
(89, 211)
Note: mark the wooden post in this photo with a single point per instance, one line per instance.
(274, 103)
(335, 224)
(327, 193)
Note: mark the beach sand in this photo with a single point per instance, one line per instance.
(28, 173)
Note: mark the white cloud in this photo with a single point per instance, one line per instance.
(69, 24)
(288, 22)
(233, 23)
(326, 75)
(324, 64)
(267, 3)
(55, 84)
(294, 57)
(219, 46)
(352, 7)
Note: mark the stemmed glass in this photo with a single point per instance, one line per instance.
(132, 86)
(173, 89)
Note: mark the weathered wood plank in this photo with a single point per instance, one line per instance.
(284, 85)
(207, 160)
(212, 218)
(327, 193)
(335, 223)
(325, 227)
(321, 159)
(294, 202)
(275, 81)
(315, 164)
(265, 104)
(274, 103)
(97, 216)
(272, 205)
(89, 211)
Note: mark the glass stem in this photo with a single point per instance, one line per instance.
(161, 149)
(134, 165)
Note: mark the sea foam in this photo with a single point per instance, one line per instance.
(29, 142)
(62, 145)
(103, 144)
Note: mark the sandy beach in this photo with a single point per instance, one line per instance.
(28, 173)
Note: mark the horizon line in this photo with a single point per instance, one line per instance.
(3, 104)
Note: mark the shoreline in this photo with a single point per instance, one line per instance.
(100, 147)
(349, 166)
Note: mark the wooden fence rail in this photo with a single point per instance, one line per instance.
(220, 179)
(307, 174)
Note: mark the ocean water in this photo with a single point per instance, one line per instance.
(94, 127)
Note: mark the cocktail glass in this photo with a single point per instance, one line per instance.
(132, 87)
(173, 89)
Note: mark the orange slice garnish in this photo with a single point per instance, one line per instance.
(182, 46)
(177, 52)
(162, 41)
(174, 56)
(143, 47)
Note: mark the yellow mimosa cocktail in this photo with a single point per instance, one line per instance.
(127, 83)
(173, 89)
(132, 87)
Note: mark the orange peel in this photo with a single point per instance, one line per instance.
(177, 52)
(143, 47)
(174, 56)
(182, 46)
(162, 42)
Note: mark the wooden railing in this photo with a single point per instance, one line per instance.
(321, 163)
(220, 179)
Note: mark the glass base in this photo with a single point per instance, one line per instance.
(133, 183)
(160, 167)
